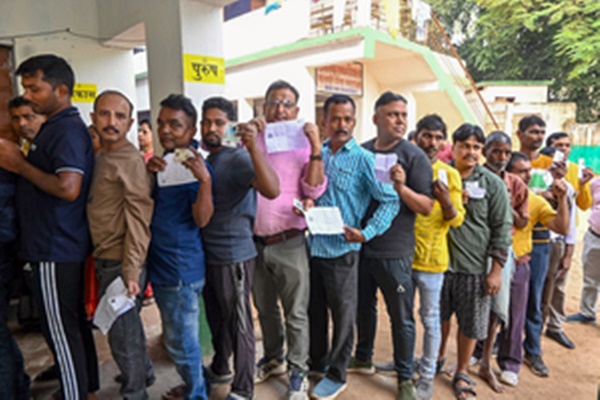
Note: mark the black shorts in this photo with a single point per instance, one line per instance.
(466, 296)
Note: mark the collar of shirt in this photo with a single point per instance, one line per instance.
(349, 145)
(477, 171)
(67, 112)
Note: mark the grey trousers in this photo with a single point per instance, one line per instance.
(554, 296)
(282, 274)
(334, 288)
(126, 338)
(591, 275)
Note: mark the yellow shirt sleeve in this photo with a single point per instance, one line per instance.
(455, 187)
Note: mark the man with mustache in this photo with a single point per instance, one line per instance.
(497, 152)
(52, 196)
(510, 352)
(282, 264)
(352, 187)
(386, 261)
(24, 121)
(531, 132)
(119, 212)
(485, 233)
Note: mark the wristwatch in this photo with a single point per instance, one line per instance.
(316, 157)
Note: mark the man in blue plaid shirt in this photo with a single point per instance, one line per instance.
(350, 170)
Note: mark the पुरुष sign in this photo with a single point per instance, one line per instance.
(84, 93)
(203, 69)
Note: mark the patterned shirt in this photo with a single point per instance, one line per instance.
(352, 186)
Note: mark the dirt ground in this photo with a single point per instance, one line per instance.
(574, 374)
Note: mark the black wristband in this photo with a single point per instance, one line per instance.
(316, 157)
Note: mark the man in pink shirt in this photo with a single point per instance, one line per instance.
(282, 265)
(591, 266)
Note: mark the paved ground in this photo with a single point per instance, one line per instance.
(574, 374)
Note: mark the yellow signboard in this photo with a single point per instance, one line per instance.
(84, 93)
(203, 69)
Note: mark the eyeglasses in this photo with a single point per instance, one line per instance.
(285, 103)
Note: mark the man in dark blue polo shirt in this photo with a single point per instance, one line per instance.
(176, 256)
(51, 197)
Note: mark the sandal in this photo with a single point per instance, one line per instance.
(460, 391)
(175, 393)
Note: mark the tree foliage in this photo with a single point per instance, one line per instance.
(556, 40)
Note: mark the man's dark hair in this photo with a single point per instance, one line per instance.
(548, 151)
(116, 93)
(55, 70)
(19, 101)
(530, 120)
(515, 157)
(555, 136)
(181, 103)
(145, 121)
(497, 137)
(432, 122)
(389, 97)
(467, 130)
(281, 84)
(411, 136)
(222, 104)
(337, 99)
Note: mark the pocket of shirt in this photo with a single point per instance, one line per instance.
(344, 178)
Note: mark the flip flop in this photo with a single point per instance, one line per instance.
(459, 391)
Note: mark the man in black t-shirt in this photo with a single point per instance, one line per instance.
(51, 200)
(386, 261)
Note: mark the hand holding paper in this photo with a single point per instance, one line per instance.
(322, 220)
(383, 165)
(285, 136)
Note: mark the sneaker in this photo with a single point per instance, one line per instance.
(537, 365)
(360, 367)
(213, 379)
(267, 368)
(327, 389)
(474, 361)
(298, 388)
(406, 390)
(424, 389)
(509, 377)
(386, 368)
(579, 317)
(235, 396)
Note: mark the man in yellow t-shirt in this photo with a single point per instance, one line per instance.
(510, 354)
(431, 250)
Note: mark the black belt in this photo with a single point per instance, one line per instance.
(594, 233)
(279, 237)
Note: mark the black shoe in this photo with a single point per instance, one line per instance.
(561, 338)
(537, 365)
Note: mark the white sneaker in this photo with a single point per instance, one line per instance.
(510, 378)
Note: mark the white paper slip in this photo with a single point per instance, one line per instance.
(285, 136)
(383, 165)
(174, 174)
(475, 192)
(114, 303)
(559, 156)
(581, 165)
(443, 176)
(324, 221)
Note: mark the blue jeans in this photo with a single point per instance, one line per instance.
(540, 257)
(14, 382)
(429, 286)
(179, 311)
